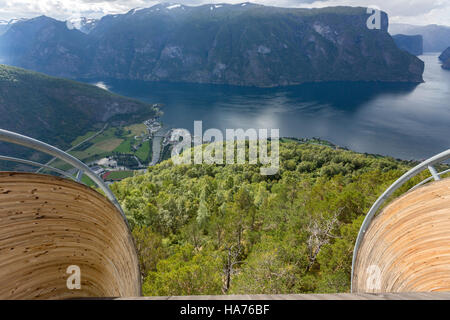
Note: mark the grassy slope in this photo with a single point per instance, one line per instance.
(143, 153)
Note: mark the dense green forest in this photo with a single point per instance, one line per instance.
(226, 229)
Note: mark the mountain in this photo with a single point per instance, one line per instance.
(5, 25)
(56, 110)
(445, 58)
(244, 44)
(45, 45)
(83, 24)
(435, 38)
(411, 44)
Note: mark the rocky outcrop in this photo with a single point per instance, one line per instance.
(245, 44)
(411, 44)
(445, 58)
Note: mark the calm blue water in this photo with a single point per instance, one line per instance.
(401, 120)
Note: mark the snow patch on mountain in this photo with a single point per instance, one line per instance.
(173, 6)
(81, 23)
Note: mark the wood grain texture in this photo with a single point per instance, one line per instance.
(47, 224)
(407, 246)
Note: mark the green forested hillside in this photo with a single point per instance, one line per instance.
(57, 110)
(208, 229)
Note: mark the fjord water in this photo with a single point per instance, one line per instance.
(406, 121)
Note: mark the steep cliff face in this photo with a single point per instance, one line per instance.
(411, 44)
(445, 58)
(245, 44)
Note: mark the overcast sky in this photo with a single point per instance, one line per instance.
(418, 12)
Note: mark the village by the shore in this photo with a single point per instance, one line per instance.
(160, 138)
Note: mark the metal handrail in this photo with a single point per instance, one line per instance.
(427, 164)
(36, 164)
(428, 180)
(28, 142)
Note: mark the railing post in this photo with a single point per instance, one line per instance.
(434, 173)
(80, 175)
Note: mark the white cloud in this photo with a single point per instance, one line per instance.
(419, 12)
(407, 11)
(63, 9)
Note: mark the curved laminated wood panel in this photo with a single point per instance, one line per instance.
(48, 224)
(407, 246)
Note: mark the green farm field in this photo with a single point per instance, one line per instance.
(112, 140)
(119, 175)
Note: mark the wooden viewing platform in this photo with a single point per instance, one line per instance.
(407, 247)
(48, 224)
